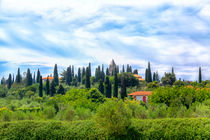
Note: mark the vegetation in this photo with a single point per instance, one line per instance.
(81, 106)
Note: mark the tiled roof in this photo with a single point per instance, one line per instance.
(138, 77)
(45, 78)
(141, 93)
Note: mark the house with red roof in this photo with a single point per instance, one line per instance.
(50, 78)
(140, 95)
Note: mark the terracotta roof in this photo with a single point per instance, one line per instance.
(50, 78)
(141, 93)
(45, 78)
(138, 77)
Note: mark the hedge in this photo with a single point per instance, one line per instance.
(176, 129)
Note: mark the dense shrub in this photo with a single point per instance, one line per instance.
(173, 96)
(114, 117)
(164, 129)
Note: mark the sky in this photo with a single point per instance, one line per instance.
(39, 33)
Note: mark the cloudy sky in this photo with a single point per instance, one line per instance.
(40, 33)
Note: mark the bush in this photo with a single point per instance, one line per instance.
(114, 117)
(157, 111)
(49, 112)
(165, 129)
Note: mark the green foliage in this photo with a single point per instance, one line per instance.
(87, 78)
(179, 83)
(173, 96)
(3, 91)
(131, 81)
(108, 87)
(114, 117)
(168, 79)
(153, 85)
(61, 90)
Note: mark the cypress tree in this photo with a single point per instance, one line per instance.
(107, 72)
(149, 73)
(135, 71)
(101, 86)
(34, 79)
(200, 76)
(83, 75)
(115, 92)
(68, 75)
(123, 69)
(18, 77)
(52, 89)
(87, 78)
(103, 74)
(146, 75)
(79, 75)
(9, 84)
(127, 69)
(118, 70)
(55, 78)
(154, 76)
(108, 90)
(38, 76)
(61, 90)
(40, 87)
(89, 66)
(48, 86)
(123, 88)
(172, 70)
(28, 78)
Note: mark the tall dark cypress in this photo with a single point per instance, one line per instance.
(61, 90)
(9, 84)
(83, 75)
(28, 78)
(87, 78)
(154, 76)
(48, 86)
(200, 76)
(18, 77)
(52, 88)
(108, 90)
(68, 75)
(34, 79)
(123, 88)
(101, 86)
(72, 71)
(38, 76)
(149, 73)
(146, 75)
(40, 87)
(107, 72)
(79, 75)
(115, 92)
(172, 70)
(89, 66)
(123, 68)
(103, 74)
(55, 76)
(135, 71)
(13, 78)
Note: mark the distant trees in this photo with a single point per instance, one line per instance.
(68, 75)
(55, 75)
(47, 86)
(29, 80)
(87, 78)
(148, 74)
(101, 86)
(38, 76)
(18, 77)
(9, 81)
(199, 75)
(123, 88)
(52, 88)
(168, 79)
(61, 90)
(115, 89)
(79, 75)
(40, 87)
(108, 88)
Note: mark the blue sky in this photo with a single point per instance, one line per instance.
(38, 34)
